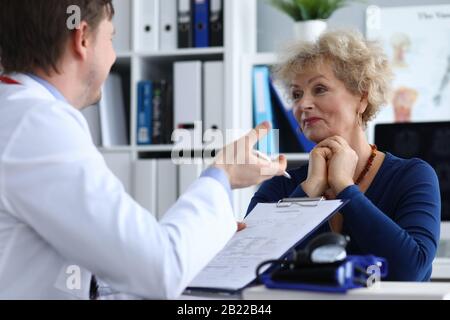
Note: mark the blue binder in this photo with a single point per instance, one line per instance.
(352, 273)
(144, 114)
(262, 107)
(201, 23)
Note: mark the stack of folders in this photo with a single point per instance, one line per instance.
(199, 102)
(271, 103)
(195, 104)
(170, 24)
(159, 182)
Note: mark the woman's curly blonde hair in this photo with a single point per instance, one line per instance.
(360, 64)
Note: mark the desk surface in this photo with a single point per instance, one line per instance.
(441, 269)
(385, 291)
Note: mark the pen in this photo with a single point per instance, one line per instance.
(266, 157)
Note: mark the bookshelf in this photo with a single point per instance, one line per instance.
(134, 64)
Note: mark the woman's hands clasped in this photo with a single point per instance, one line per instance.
(332, 164)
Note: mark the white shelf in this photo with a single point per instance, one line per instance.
(167, 147)
(297, 156)
(115, 149)
(182, 52)
(155, 148)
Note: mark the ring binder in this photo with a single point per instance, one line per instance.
(303, 202)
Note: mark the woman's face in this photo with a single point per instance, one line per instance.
(323, 106)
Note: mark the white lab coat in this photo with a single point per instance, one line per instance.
(62, 209)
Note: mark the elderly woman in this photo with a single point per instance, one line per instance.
(337, 85)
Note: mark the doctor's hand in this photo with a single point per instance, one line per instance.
(243, 167)
(341, 164)
(317, 181)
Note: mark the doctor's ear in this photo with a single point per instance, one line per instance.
(81, 40)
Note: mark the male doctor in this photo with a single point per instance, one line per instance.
(62, 211)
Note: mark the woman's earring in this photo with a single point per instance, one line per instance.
(359, 119)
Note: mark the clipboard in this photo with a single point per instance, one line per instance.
(302, 202)
(229, 275)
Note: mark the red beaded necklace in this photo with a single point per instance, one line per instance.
(368, 164)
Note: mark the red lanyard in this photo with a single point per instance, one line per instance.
(8, 80)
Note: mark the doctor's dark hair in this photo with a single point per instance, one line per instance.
(34, 33)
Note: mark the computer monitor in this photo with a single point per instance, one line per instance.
(429, 141)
